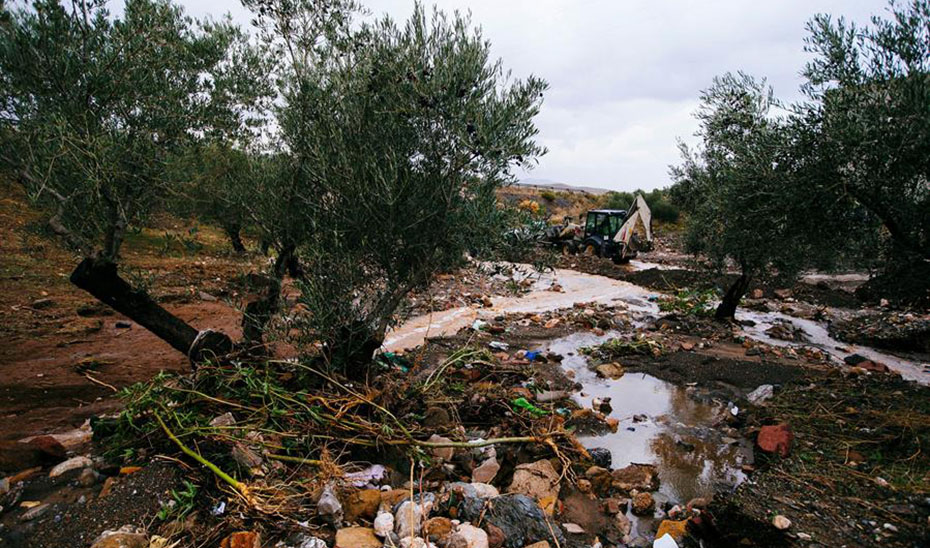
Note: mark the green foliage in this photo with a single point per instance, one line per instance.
(620, 347)
(547, 195)
(869, 122)
(94, 106)
(739, 206)
(658, 201)
(181, 503)
(690, 302)
(394, 142)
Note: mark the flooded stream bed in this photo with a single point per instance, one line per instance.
(683, 433)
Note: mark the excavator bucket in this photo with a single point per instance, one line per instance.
(639, 212)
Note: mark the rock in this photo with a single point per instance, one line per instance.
(307, 541)
(468, 536)
(436, 416)
(601, 456)
(697, 503)
(540, 544)
(761, 394)
(88, 477)
(573, 528)
(441, 453)
(486, 471)
(409, 517)
(677, 529)
(246, 458)
(71, 464)
(35, 512)
(437, 528)
(474, 490)
(414, 542)
(624, 525)
(204, 296)
(384, 524)
(601, 405)
(639, 477)
(775, 439)
(520, 519)
(537, 479)
(329, 507)
(781, 522)
(665, 541)
(128, 536)
(855, 359)
(242, 539)
(643, 504)
(362, 505)
(599, 477)
(875, 367)
(687, 346)
(609, 370)
(496, 536)
(757, 293)
(108, 486)
(42, 304)
(226, 419)
(357, 537)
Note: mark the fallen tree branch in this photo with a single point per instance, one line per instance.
(240, 487)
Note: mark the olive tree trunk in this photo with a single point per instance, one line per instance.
(727, 308)
(100, 278)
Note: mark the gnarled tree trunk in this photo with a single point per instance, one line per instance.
(234, 232)
(100, 278)
(727, 308)
(260, 311)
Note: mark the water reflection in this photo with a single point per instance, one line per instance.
(661, 424)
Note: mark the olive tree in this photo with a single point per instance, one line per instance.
(93, 107)
(869, 91)
(394, 141)
(735, 186)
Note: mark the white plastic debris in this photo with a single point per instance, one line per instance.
(761, 394)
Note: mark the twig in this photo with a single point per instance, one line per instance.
(100, 382)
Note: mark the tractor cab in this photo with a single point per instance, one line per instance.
(604, 223)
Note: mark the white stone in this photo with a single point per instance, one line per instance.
(665, 542)
(384, 524)
(71, 464)
(472, 536)
(781, 522)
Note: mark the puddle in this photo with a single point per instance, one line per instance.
(819, 337)
(677, 435)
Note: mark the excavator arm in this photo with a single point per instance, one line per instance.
(629, 243)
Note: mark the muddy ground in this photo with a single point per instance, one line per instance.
(856, 472)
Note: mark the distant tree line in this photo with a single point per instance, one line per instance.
(658, 201)
(840, 179)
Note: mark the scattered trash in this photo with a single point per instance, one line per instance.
(522, 403)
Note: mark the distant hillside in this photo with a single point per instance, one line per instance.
(548, 184)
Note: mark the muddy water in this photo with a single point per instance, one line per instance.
(577, 287)
(818, 336)
(660, 423)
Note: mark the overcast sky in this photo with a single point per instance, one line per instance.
(625, 75)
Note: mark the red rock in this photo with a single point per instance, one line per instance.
(775, 439)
